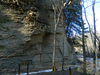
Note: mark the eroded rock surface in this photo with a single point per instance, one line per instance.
(28, 37)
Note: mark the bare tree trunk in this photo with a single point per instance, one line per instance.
(95, 61)
(56, 22)
(94, 29)
(63, 39)
(84, 56)
(95, 49)
(88, 22)
(54, 48)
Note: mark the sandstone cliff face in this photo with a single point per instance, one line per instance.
(29, 38)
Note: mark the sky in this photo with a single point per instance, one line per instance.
(90, 13)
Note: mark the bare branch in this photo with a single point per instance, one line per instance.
(91, 4)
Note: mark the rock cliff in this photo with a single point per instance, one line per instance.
(26, 35)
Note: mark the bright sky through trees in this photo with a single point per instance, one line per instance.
(88, 6)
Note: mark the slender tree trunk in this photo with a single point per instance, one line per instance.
(95, 49)
(88, 22)
(94, 30)
(56, 21)
(84, 56)
(63, 39)
(54, 48)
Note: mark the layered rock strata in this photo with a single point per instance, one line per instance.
(28, 37)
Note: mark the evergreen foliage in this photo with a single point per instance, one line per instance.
(73, 18)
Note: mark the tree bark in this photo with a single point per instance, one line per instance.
(54, 49)
(56, 22)
(95, 49)
(84, 56)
